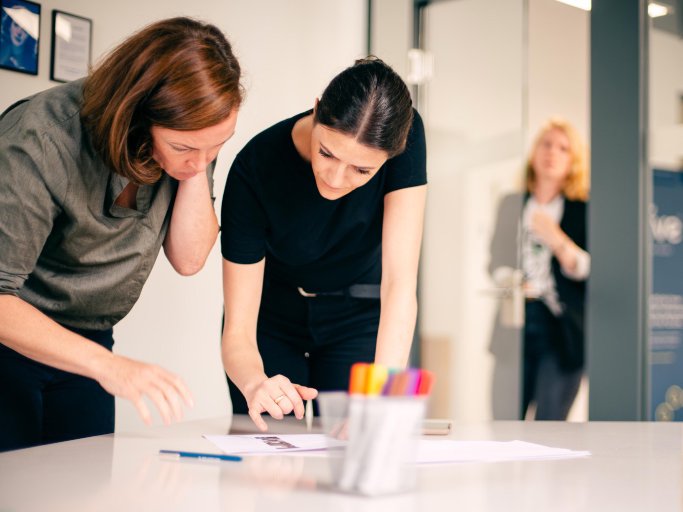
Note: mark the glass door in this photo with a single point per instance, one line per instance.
(474, 112)
(486, 75)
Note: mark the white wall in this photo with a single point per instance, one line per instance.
(392, 25)
(288, 51)
(558, 66)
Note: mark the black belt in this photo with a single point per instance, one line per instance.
(357, 291)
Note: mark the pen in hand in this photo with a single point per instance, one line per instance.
(308, 414)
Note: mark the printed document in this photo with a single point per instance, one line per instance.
(430, 451)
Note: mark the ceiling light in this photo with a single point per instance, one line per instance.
(581, 4)
(654, 9)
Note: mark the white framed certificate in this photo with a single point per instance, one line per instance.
(71, 46)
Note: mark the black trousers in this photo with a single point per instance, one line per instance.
(545, 383)
(312, 341)
(40, 404)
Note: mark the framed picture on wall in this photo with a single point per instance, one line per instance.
(71, 46)
(19, 35)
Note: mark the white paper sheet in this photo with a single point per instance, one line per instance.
(450, 451)
(437, 451)
(272, 443)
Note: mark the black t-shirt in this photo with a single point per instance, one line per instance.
(272, 208)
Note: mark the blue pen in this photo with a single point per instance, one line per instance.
(197, 455)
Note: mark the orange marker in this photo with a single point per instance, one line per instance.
(358, 379)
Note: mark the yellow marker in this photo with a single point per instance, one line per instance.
(377, 376)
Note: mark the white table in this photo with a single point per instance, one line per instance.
(633, 467)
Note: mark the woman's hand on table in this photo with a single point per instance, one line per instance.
(277, 396)
(134, 380)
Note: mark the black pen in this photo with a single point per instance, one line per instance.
(197, 455)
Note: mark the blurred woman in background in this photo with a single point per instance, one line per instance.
(556, 265)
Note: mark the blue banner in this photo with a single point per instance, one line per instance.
(666, 300)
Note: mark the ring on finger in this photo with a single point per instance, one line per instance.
(279, 399)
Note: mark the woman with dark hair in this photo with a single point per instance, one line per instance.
(95, 176)
(321, 224)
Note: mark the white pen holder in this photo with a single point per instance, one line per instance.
(381, 434)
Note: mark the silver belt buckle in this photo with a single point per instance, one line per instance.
(304, 293)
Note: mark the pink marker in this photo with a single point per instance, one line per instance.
(426, 382)
(412, 381)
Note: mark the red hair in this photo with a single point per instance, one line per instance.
(177, 73)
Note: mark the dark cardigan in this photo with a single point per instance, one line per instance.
(572, 294)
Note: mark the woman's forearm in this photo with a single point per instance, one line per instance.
(575, 262)
(570, 256)
(193, 228)
(26, 330)
(29, 332)
(401, 239)
(242, 363)
(396, 325)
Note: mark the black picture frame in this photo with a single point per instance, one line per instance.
(20, 36)
(71, 48)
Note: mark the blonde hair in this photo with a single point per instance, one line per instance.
(576, 186)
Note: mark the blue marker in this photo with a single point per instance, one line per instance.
(197, 455)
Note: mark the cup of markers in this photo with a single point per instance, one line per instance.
(380, 418)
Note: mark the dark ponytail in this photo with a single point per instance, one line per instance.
(370, 102)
